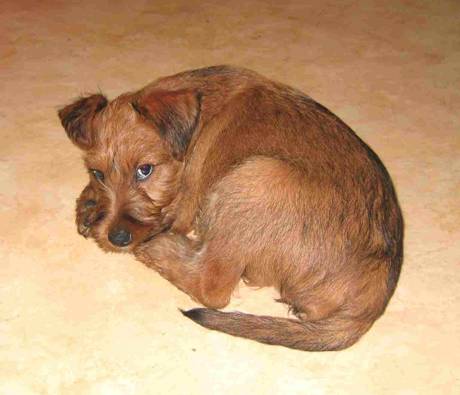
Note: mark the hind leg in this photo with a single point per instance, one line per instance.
(198, 270)
(311, 298)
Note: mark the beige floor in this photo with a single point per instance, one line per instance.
(74, 320)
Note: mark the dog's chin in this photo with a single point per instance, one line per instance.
(106, 246)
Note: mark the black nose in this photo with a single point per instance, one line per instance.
(120, 237)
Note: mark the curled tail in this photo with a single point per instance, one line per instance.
(330, 334)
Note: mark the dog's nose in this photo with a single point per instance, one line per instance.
(120, 237)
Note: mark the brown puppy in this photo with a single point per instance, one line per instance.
(219, 174)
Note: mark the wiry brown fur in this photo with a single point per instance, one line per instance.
(276, 190)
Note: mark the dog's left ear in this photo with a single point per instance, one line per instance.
(174, 114)
(77, 119)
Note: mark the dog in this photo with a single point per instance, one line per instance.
(217, 175)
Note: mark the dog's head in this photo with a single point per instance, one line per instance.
(134, 148)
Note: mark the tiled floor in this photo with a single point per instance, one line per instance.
(74, 320)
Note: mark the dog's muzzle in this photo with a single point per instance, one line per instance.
(120, 237)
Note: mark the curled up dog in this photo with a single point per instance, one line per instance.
(215, 175)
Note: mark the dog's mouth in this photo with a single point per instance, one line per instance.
(124, 237)
(133, 244)
(152, 235)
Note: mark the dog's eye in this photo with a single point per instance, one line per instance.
(98, 175)
(143, 172)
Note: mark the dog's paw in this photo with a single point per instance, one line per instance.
(88, 211)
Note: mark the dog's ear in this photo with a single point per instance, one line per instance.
(174, 114)
(77, 119)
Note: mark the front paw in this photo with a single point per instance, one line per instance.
(88, 211)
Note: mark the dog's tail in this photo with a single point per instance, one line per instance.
(330, 334)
